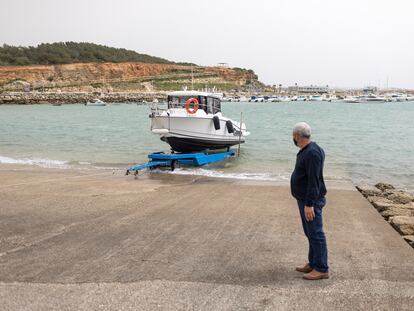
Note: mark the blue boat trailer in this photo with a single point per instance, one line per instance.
(161, 159)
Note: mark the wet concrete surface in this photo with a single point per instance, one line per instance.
(93, 240)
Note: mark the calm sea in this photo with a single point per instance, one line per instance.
(365, 143)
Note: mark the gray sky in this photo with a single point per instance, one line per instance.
(349, 43)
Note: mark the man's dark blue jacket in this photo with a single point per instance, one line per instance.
(307, 182)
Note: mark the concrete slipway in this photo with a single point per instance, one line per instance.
(91, 240)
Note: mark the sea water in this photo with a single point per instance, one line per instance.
(364, 143)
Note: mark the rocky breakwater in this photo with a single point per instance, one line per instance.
(396, 206)
(25, 98)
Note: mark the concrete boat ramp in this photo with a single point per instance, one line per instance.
(89, 240)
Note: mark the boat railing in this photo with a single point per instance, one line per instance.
(238, 127)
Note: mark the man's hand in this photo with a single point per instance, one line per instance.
(309, 213)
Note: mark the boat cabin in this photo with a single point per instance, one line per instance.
(208, 102)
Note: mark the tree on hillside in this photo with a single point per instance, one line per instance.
(71, 52)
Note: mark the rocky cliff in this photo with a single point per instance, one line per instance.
(123, 76)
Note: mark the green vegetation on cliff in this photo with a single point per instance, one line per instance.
(71, 52)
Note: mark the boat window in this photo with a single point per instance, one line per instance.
(179, 101)
(216, 105)
(203, 103)
(213, 105)
(209, 105)
(174, 102)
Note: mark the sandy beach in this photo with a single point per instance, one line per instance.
(86, 240)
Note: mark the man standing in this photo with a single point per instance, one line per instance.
(308, 188)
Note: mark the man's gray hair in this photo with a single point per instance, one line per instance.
(303, 129)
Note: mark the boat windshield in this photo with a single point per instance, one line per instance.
(208, 104)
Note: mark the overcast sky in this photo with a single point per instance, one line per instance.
(348, 43)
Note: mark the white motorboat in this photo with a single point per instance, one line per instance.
(273, 99)
(397, 97)
(96, 102)
(330, 98)
(227, 99)
(256, 99)
(301, 98)
(316, 98)
(365, 99)
(193, 122)
(351, 99)
(285, 98)
(237, 99)
(409, 97)
(373, 98)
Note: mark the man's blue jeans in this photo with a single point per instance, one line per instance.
(318, 251)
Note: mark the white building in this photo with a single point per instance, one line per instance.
(312, 89)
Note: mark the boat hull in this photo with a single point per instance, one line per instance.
(187, 144)
(190, 134)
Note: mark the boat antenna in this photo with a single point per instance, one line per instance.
(192, 78)
(240, 133)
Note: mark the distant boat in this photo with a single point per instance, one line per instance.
(96, 102)
(57, 104)
(274, 99)
(372, 98)
(316, 98)
(255, 99)
(351, 99)
(228, 99)
(399, 97)
(330, 98)
(236, 99)
(302, 98)
(285, 99)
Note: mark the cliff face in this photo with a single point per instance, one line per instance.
(84, 71)
(83, 74)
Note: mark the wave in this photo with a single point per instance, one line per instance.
(60, 164)
(207, 172)
(198, 171)
(221, 174)
(270, 177)
(45, 163)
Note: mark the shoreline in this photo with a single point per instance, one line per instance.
(30, 98)
(165, 175)
(83, 97)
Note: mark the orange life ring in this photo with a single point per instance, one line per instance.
(188, 103)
